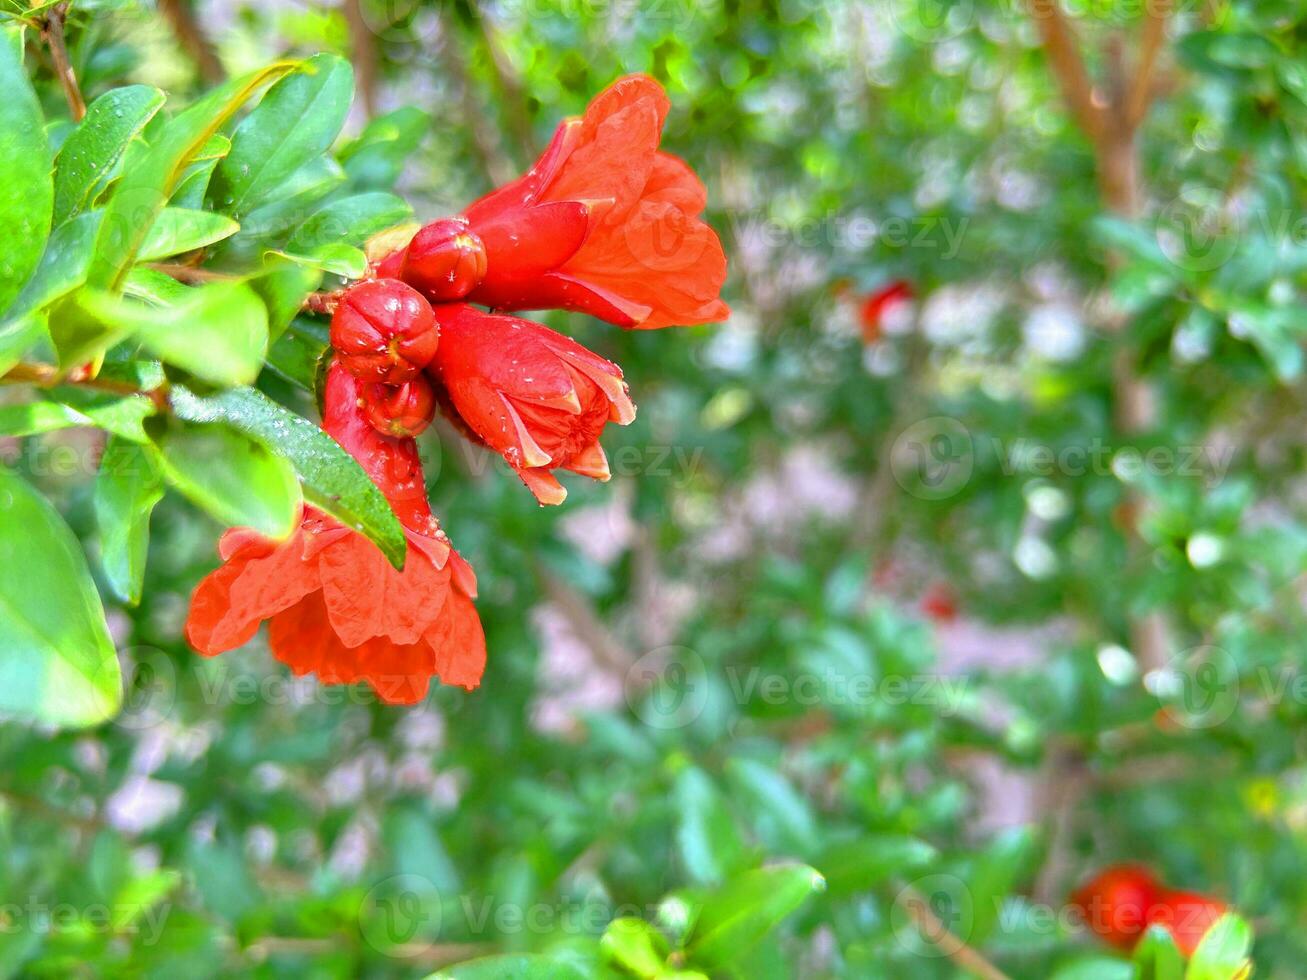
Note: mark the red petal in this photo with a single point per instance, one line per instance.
(366, 597)
(458, 644)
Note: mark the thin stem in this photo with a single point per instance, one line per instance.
(49, 376)
(933, 928)
(182, 19)
(1068, 66)
(363, 46)
(1141, 93)
(52, 33)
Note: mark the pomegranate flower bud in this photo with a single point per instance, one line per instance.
(446, 260)
(536, 397)
(384, 331)
(400, 411)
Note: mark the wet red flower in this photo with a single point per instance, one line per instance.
(875, 305)
(536, 397)
(604, 223)
(400, 411)
(334, 604)
(446, 259)
(383, 331)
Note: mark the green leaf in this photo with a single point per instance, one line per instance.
(349, 220)
(127, 488)
(114, 414)
(294, 123)
(218, 331)
(706, 836)
(297, 355)
(284, 286)
(179, 230)
(781, 813)
(511, 967)
(238, 481)
(737, 916)
(57, 662)
(17, 337)
(375, 160)
(26, 190)
(1222, 954)
(64, 264)
(636, 946)
(1157, 956)
(146, 185)
(858, 865)
(340, 260)
(333, 480)
(193, 185)
(87, 161)
(1096, 968)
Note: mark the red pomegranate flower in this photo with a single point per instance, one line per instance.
(603, 223)
(1122, 901)
(874, 307)
(336, 607)
(538, 398)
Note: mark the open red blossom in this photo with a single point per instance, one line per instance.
(538, 398)
(604, 223)
(335, 605)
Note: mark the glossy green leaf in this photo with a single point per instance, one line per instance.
(147, 184)
(127, 488)
(19, 336)
(345, 261)
(87, 161)
(738, 915)
(193, 185)
(112, 414)
(333, 481)
(64, 264)
(298, 354)
(57, 662)
(295, 122)
(350, 220)
(1222, 954)
(375, 159)
(179, 230)
(217, 331)
(26, 190)
(237, 481)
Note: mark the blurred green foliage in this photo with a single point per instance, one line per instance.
(720, 732)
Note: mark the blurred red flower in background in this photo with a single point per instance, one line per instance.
(1124, 900)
